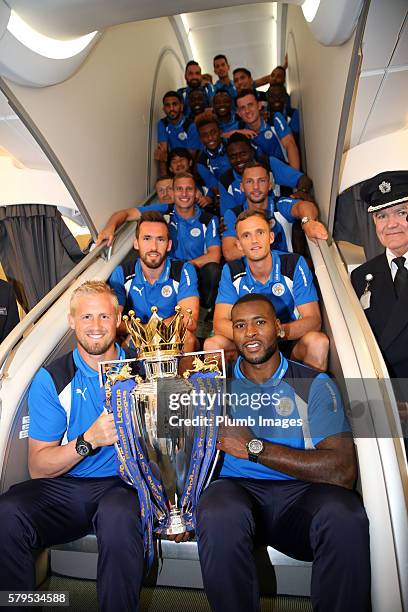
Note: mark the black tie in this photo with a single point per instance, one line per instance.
(401, 277)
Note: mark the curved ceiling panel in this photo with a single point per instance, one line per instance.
(70, 18)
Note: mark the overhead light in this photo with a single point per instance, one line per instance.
(310, 8)
(190, 36)
(43, 45)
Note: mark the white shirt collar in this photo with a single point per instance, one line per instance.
(390, 256)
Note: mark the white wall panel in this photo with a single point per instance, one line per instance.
(97, 122)
(245, 34)
(322, 75)
(390, 110)
(367, 90)
(400, 57)
(21, 185)
(383, 25)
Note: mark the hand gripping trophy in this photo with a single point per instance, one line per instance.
(166, 422)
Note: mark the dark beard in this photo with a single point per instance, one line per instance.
(152, 265)
(271, 350)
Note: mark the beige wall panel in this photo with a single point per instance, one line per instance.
(321, 74)
(97, 122)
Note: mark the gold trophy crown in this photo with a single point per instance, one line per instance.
(155, 338)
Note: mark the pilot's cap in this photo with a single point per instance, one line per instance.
(386, 189)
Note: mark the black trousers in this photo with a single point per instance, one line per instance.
(47, 511)
(325, 524)
(208, 281)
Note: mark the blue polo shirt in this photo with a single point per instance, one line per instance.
(292, 118)
(211, 164)
(231, 89)
(235, 123)
(207, 89)
(284, 174)
(181, 134)
(279, 210)
(192, 237)
(297, 407)
(229, 185)
(132, 289)
(63, 401)
(290, 284)
(268, 139)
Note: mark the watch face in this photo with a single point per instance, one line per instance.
(255, 447)
(82, 449)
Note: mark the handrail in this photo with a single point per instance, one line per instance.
(51, 297)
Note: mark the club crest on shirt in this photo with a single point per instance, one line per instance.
(285, 406)
(195, 232)
(166, 291)
(182, 136)
(268, 135)
(278, 289)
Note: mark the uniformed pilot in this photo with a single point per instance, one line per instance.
(381, 283)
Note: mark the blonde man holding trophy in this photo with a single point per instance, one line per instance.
(75, 488)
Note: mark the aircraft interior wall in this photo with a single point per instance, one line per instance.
(317, 75)
(98, 121)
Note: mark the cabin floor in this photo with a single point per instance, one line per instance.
(82, 596)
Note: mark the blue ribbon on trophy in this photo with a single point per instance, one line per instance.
(154, 465)
(205, 438)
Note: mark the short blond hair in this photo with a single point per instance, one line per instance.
(183, 175)
(92, 287)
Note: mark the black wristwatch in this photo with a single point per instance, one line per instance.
(83, 447)
(255, 447)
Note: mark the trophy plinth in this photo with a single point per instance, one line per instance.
(176, 524)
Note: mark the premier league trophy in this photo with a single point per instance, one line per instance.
(166, 422)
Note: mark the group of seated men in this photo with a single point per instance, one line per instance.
(220, 227)
(295, 494)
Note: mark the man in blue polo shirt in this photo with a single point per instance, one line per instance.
(223, 107)
(155, 279)
(257, 186)
(213, 160)
(277, 103)
(285, 279)
(175, 130)
(221, 69)
(286, 479)
(195, 237)
(193, 78)
(276, 139)
(240, 152)
(197, 102)
(75, 488)
(243, 80)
